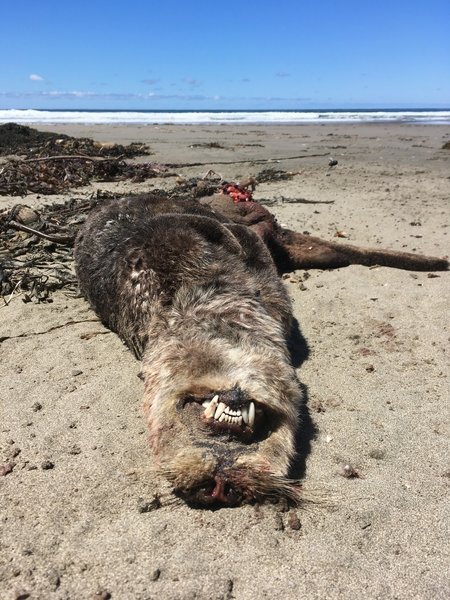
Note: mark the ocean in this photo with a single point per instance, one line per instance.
(150, 117)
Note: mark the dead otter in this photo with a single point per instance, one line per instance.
(193, 290)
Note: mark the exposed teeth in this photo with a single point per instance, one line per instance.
(251, 414)
(224, 414)
(211, 407)
(220, 409)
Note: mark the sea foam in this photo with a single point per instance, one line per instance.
(234, 117)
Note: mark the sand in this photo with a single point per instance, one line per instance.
(76, 510)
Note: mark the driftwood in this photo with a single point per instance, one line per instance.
(68, 157)
(255, 161)
(57, 239)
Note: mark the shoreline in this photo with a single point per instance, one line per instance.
(261, 117)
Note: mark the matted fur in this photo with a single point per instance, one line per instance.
(193, 290)
(198, 299)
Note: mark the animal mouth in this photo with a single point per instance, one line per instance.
(230, 414)
(219, 412)
(243, 420)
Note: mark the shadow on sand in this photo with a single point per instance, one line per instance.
(306, 432)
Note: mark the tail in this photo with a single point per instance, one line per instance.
(299, 251)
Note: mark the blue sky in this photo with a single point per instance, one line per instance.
(168, 54)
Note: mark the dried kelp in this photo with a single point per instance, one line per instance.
(51, 163)
(54, 175)
(34, 267)
(270, 175)
(25, 141)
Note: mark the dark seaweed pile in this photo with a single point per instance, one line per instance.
(51, 163)
(35, 267)
(58, 174)
(27, 142)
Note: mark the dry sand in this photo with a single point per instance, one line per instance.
(376, 385)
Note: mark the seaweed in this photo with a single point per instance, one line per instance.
(25, 141)
(270, 175)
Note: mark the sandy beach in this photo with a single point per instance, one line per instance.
(77, 512)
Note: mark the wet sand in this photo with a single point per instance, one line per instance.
(75, 510)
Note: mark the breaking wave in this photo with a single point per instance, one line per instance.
(219, 117)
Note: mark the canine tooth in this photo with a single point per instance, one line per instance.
(251, 414)
(245, 415)
(209, 411)
(215, 399)
(206, 403)
(219, 410)
(210, 407)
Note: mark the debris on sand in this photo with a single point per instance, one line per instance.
(271, 175)
(24, 141)
(57, 174)
(51, 163)
(208, 146)
(32, 263)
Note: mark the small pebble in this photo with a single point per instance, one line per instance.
(346, 470)
(54, 579)
(101, 595)
(145, 507)
(6, 468)
(36, 407)
(47, 464)
(155, 575)
(14, 452)
(76, 372)
(279, 525)
(294, 521)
